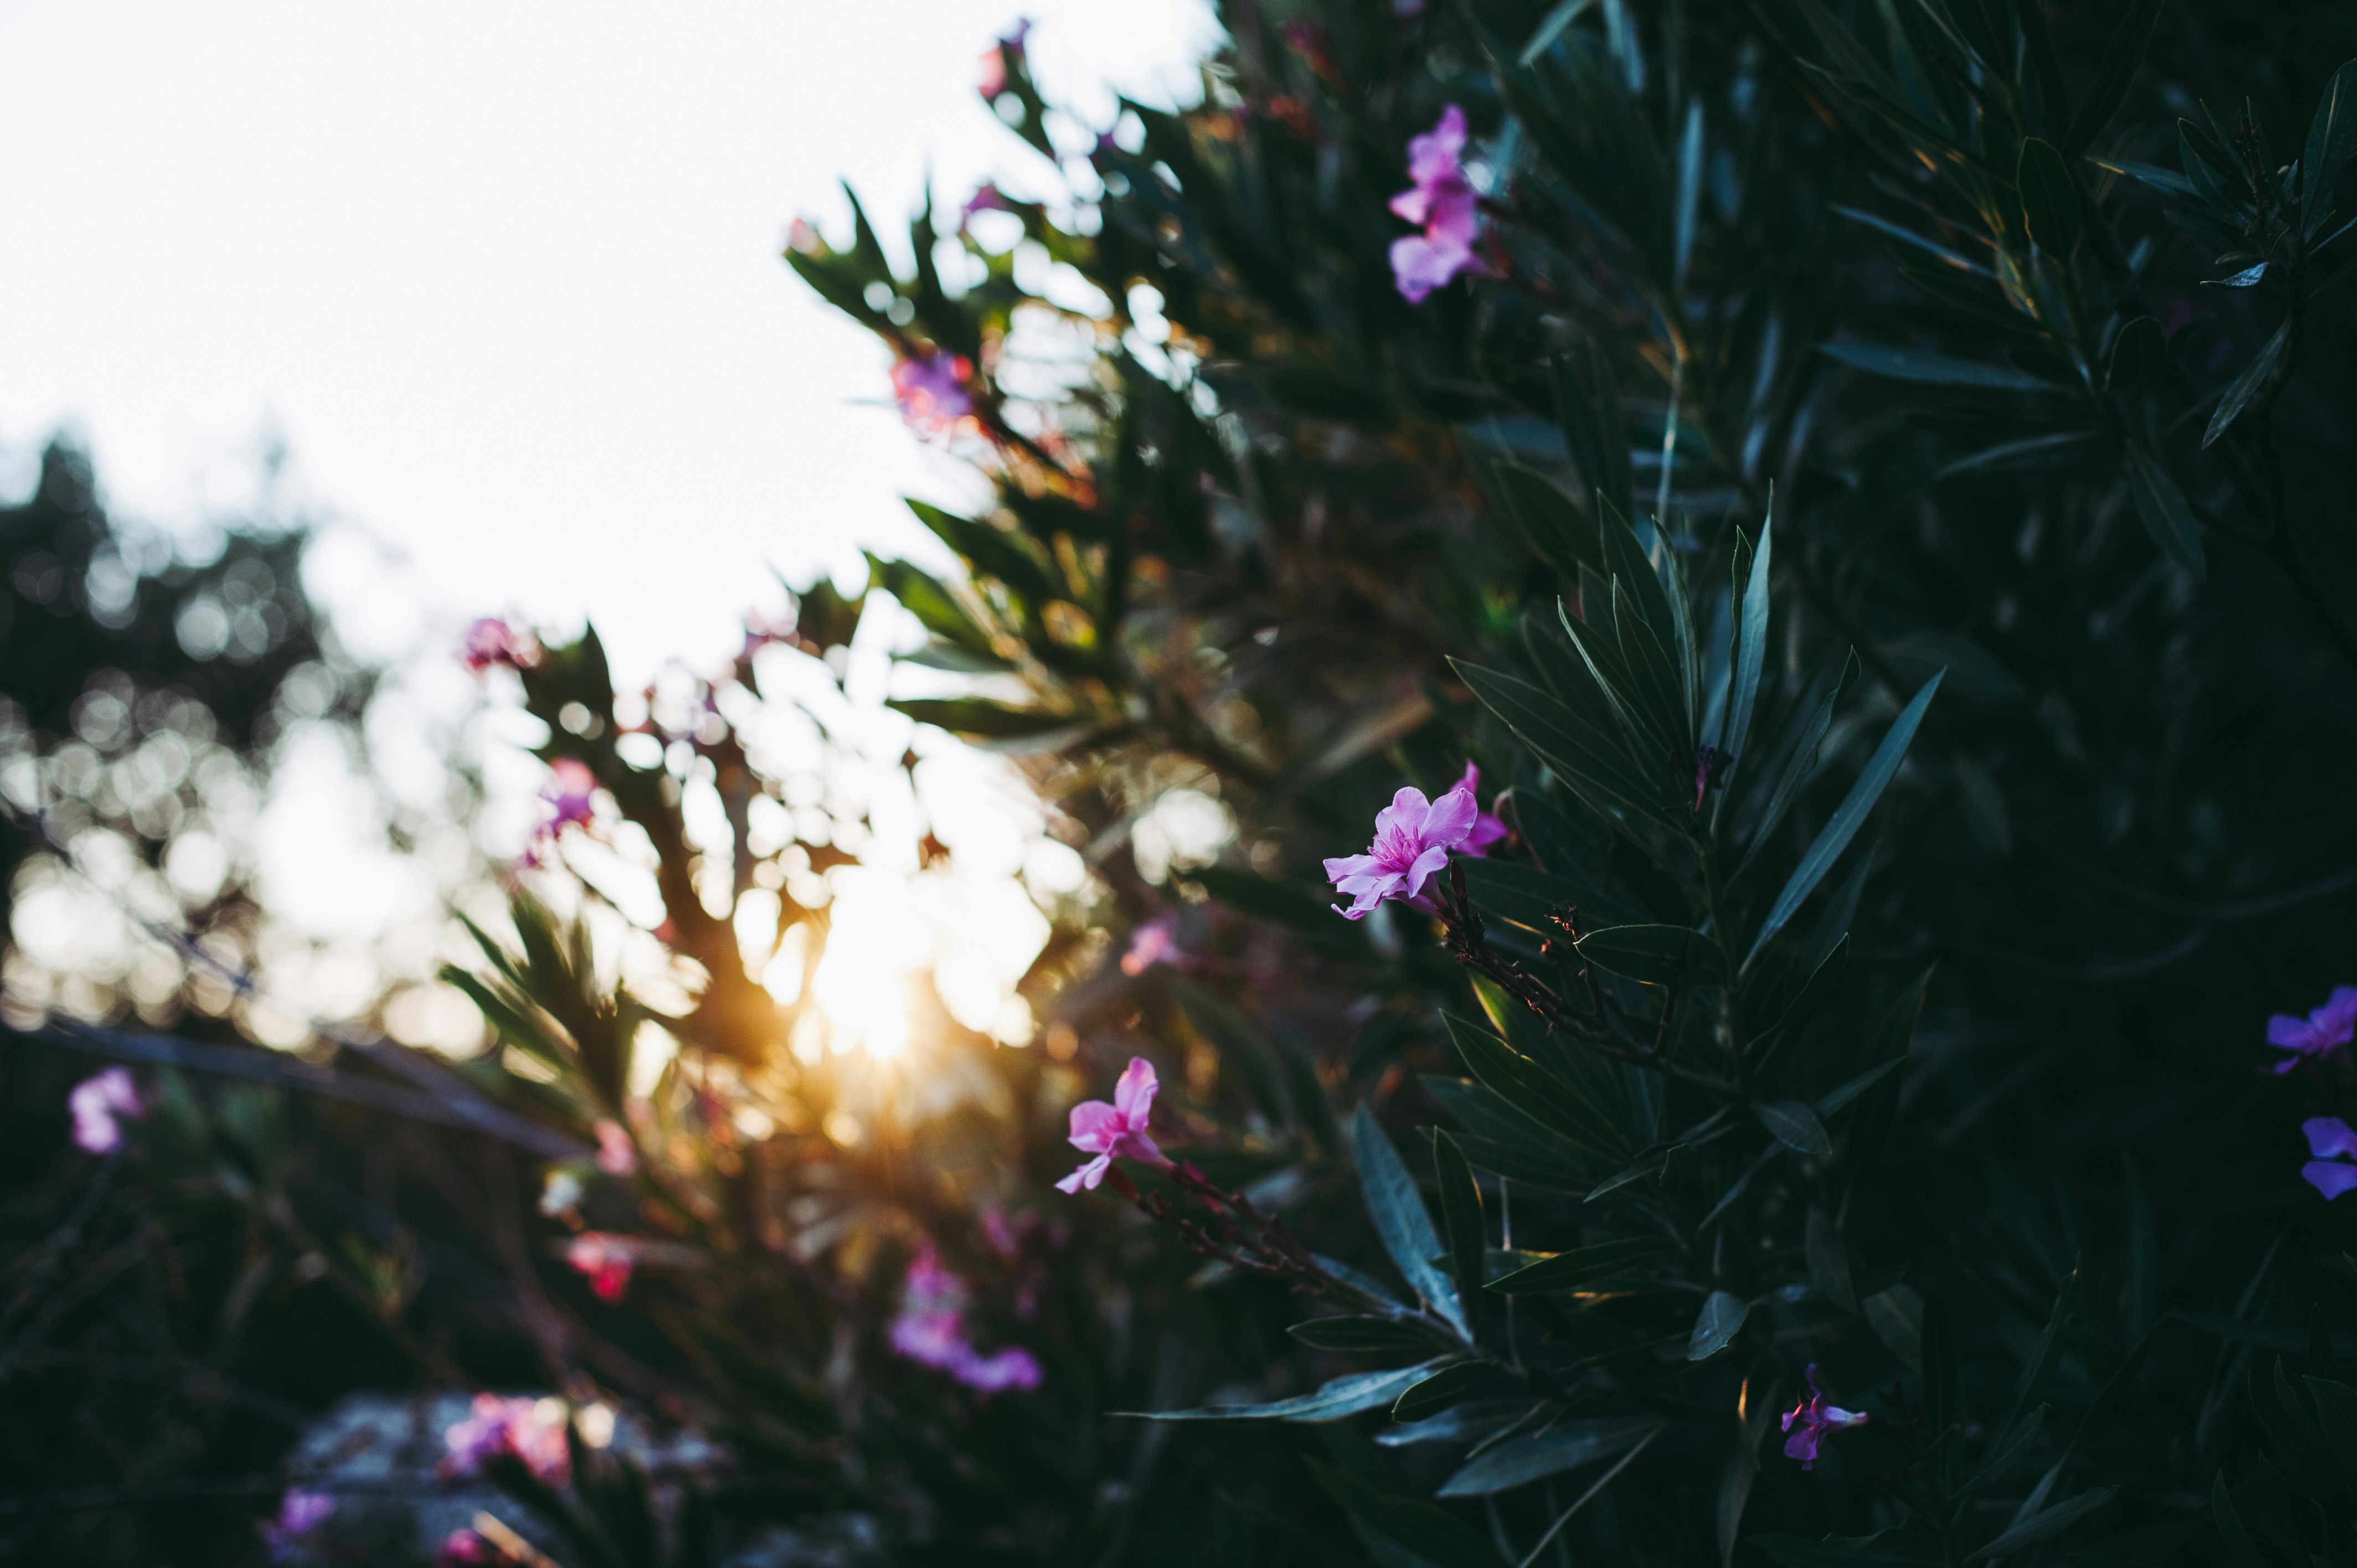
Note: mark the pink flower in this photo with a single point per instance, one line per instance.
(465, 1549)
(531, 1430)
(1157, 941)
(1441, 202)
(2328, 1136)
(617, 1155)
(96, 1102)
(985, 198)
(1412, 838)
(2326, 1029)
(930, 1330)
(606, 1259)
(492, 640)
(1815, 1418)
(1105, 1131)
(932, 392)
(299, 1513)
(1487, 828)
(999, 58)
(569, 793)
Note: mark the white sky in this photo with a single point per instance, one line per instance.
(504, 274)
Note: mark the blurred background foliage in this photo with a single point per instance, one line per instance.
(1823, 370)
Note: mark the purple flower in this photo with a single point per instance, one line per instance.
(1815, 1418)
(1441, 203)
(2328, 1136)
(986, 198)
(299, 1513)
(492, 640)
(463, 1549)
(1487, 828)
(1412, 838)
(1157, 941)
(96, 1102)
(930, 1330)
(932, 392)
(568, 794)
(2327, 1028)
(1107, 1131)
(531, 1430)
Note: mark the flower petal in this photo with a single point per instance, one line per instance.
(2331, 1177)
(1132, 1097)
(1427, 863)
(1094, 1125)
(2329, 1135)
(1088, 1176)
(1450, 818)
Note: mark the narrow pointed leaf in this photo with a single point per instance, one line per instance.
(1460, 1211)
(2247, 386)
(1585, 1265)
(1520, 1460)
(2050, 202)
(1720, 1320)
(2123, 56)
(1796, 1126)
(1431, 1395)
(1343, 1396)
(1398, 1212)
(1750, 646)
(1828, 1258)
(2161, 505)
(1932, 370)
(2045, 1522)
(2332, 137)
(1658, 955)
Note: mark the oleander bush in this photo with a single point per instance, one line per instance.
(1702, 654)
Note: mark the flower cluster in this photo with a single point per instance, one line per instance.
(96, 1103)
(533, 1431)
(1441, 202)
(1809, 1421)
(2321, 1033)
(930, 1330)
(1412, 838)
(1105, 1131)
(491, 642)
(931, 391)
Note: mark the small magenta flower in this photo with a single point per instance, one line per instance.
(606, 1259)
(569, 795)
(617, 1155)
(1815, 1418)
(465, 1549)
(2329, 1136)
(1441, 202)
(1000, 58)
(96, 1103)
(1412, 838)
(1487, 828)
(932, 392)
(299, 1513)
(2326, 1029)
(531, 1430)
(1107, 1131)
(491, 642)
(930, 1330)
(1157, 941)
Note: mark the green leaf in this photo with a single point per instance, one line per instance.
(1343, 1396)
(2332, 137)
(2050, 202)
(1720, 1320)
(1734, 1478)
(2115, 73)
(1591, 763)
(2246, 387)
(1847, 817)
(1658, 955)
(1896, 1315)
(1432, 1533)
(1911, 1546)
(1527, 897)
(1796, 1126)
(1520, 1460)
(1828, 1258)
(1532, 1089)
(2007, 1451)
(1556, 528)
(1397, 1210)
(1799, 764)
(2046, 1523)
(2166, 180)
(2161, 505)
(2038, 1371)
(1359, 1334)
(1550, 27)
(1750, 637)
(1932, 370)
(1584, 1266)
(1460, 1211)
(2230, 1524)
(1829, 1103)
(2139, 354)
(1943, 1385)
(1566, 1065)
(1428, 1396)
(985, 720)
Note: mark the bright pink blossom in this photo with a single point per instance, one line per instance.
(931, 391)
(1107, 1131)
(1157, 941)
(299, 1513)
(2326, 1029)
(492, 640)
(465, 1549)
(1815, 1418)
(606, 1259)
(1412, 838)
(617, 1155)
(531, 1430)
(1000, 58)
(930, 1330)
(96, 1102)
(2329, 1136)
(1442, 203)
(1487, 828)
